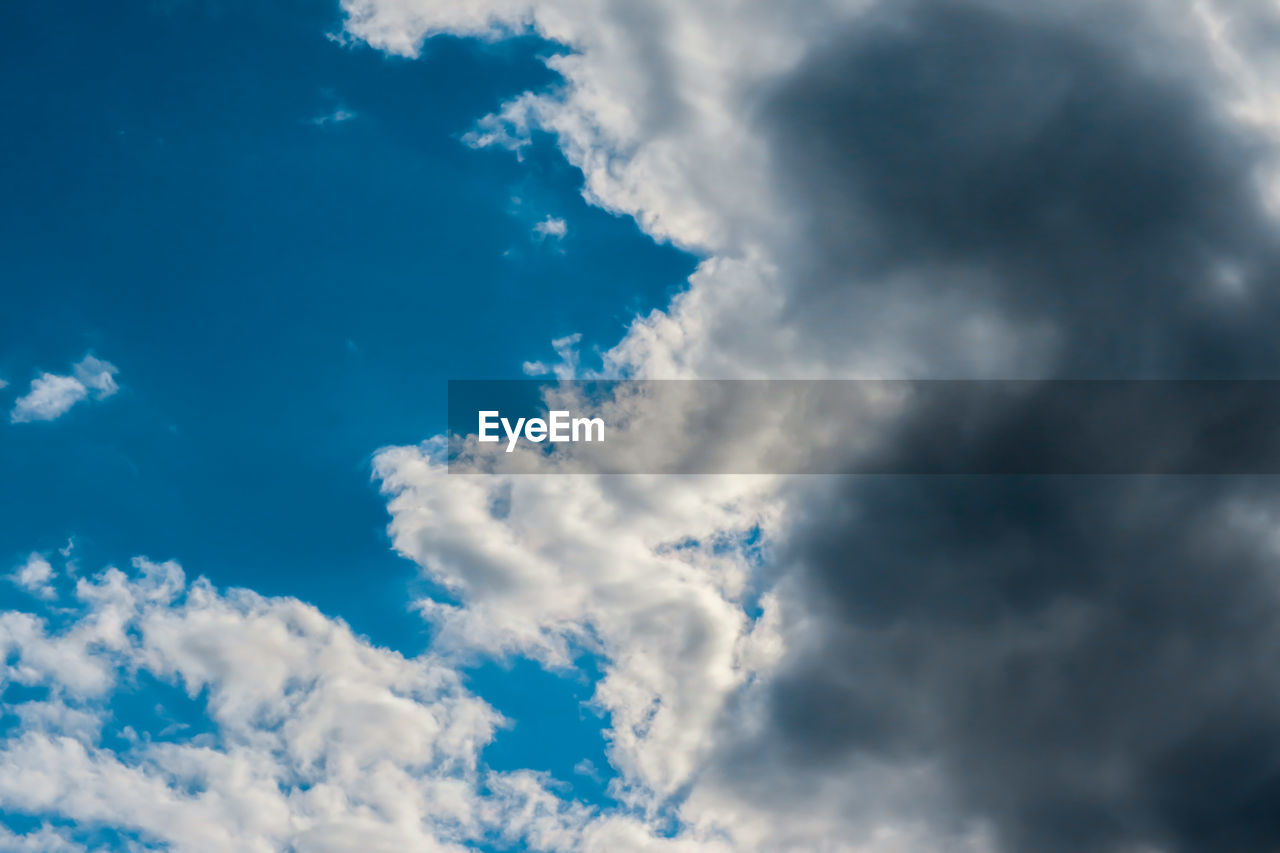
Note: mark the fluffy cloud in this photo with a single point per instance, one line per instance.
(44, 840)
(301, 709)
(310, 738)
(52, 395)
(35, 576)
(652, 573)
(907, 189)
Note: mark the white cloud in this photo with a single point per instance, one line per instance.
(46, 839)
(320, 735)
(656, 110)
(35, 576)
(551, 227)
(52, 395)
(319, 740)
(648, 571)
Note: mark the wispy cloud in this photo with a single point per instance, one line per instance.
(551, 227)
(52, 395)
(338, 116)
(567, 367)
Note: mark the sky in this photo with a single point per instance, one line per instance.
(244, 247)
(280, 243)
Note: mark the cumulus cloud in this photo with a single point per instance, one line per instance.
(53, 395)
(46, 839)
(313, 739)
(910, 189)
(50, 397)
(35, 576)
(652, 574)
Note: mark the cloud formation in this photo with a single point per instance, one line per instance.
(903, 188)
(940, 190)
(1031, 173)
(309, 738)
(52, 395)
(34, 576)
(551, 227)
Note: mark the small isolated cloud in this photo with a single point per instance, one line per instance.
(35, 576)
(567, 368)
(68, 563)
(551, 227)
(53, 394)
(586, 767)
(338, 116)
(3, 384)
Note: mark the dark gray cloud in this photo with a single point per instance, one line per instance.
(1091, 660)
(1091, 663)
(1030, 168)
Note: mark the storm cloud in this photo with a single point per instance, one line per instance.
(1036, 171)
(1087, 663)
(1091, 661)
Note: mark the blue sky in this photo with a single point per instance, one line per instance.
(245, 609)
(286, 250)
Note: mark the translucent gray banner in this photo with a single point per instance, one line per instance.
(1018, 427)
